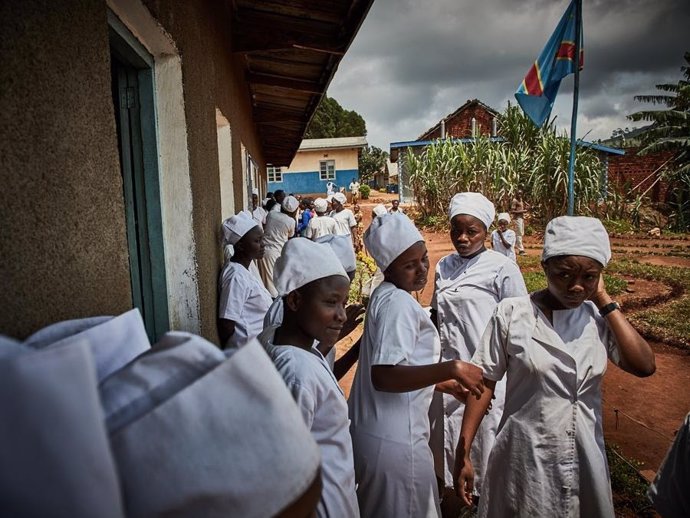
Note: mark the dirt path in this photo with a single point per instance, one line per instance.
(640, 415)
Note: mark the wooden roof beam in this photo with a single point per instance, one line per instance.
(288, 83)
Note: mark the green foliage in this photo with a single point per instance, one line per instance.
(364, 272)
(365, 190)
(533, 158)
(628, 486)
(331, 120)
(670, 131)
(371, 161)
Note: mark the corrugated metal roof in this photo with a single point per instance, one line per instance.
(332, 143)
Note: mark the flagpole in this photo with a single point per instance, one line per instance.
(573, 123)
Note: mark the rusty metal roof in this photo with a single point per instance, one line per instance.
(291, 50)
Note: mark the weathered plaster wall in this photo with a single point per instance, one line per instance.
(63, 247)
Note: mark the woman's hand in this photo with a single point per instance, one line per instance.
(464, 480)
(469, 376)
(453, 388)
(600, 297)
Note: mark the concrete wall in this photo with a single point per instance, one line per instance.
(303, 175)
(63, 239)
(62, 236)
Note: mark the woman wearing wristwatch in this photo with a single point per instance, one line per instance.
(549, 457)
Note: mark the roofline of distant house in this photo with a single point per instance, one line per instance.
(333, 143)
(396, 146)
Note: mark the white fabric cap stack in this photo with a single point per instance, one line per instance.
(388, 236)
(340, 198)
(380, 210)
(342, 246)
(303, 261)
(577, 235)
(320, 205)
(290, 204)
(474, 204)
(504, 216)
(235, 227)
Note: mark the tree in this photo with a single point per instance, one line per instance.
(371, 161)
(332, 120)
(670, 131)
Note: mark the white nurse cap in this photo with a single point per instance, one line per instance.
(577, 235)
(474, 204)
(340, 197)
(290, 204)
(235, 227)
(388, 236)
(380, 210)
(320, 205)
(342, 246)
(503, 216)
(303, 261)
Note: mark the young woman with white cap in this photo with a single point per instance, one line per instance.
(314, 301)
(344, 218)
(398, 368)
(321, 224)
(502, 238)
(549, 457)
(280, 226)
(243, 300)
(468, 285)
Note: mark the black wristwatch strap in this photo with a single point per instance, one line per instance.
(611, 306)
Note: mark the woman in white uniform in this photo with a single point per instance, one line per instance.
(549, 458)
(243, 300)
(314, 310)
(469, 284)
(343, 217)
(398, 368)
(280, 226)
(503, 239)
(321, 224)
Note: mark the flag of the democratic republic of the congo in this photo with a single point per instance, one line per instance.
(538, 90)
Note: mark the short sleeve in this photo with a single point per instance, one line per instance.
(396, 333)
(491, 354)
(308, 232)
(509, 236)
(510, 281)
(351, 221)
(609, 340)
(234, 292)
(434, 297)
(290, 228)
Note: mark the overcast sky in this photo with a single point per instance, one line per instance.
(415, 61)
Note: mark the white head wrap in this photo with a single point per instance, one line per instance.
(290, 204)
(235, 227)
(380, 210)
(577, 235)
(303, 261)
(504, 216)
(474, 204)
(342, 246)
(184, 400)
(340, 198)
(114, 341)
(255, 191)
(388, 236)
(320, 205)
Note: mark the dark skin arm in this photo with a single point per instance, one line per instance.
(347, 360)
(636, 355)
(503, 240)
(406, 378)
(226, 328)
(475, 409)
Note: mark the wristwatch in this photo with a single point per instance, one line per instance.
(611, 306)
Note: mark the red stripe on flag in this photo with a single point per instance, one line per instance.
(533, 82)
(566, 51)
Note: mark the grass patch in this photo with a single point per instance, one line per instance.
(629, 488)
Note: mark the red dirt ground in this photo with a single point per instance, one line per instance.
(640, 415)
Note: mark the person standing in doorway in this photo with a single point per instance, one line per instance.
(518, 208)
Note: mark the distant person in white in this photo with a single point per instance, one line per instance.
(330, 189)
(258, 212)
(314, 309)
(354, 190)
(280, 226)
(503, 239)
(243, 300)
(395, 207)
(321, 224)
(342, 216)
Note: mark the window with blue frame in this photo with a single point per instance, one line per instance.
(327, 169)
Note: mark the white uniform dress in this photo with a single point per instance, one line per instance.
(549, 458)
(320, 226)
(498, 246)
(390, 431)
(244, 300)
(324, 409)
(279, 228)
(344, 219)
(466, 292)
(259, 215)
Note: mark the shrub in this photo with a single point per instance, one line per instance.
(364, 191)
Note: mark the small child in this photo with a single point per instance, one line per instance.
(503, 239)
(314, 301)
(398, 369)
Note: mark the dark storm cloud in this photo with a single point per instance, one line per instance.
(414, 62)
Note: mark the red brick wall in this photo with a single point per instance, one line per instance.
(627, 171)
(460, 126)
